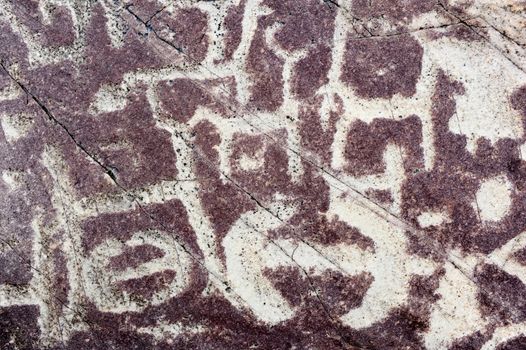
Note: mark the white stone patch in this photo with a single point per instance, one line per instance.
(489, 80)
(164, 329)
(248, 163)
(522, 151)
(15, 126)
(14, 295)
(430, 218)
(10, 92)
(109, 99)
(456, 313)
(12, 178)
(390, 264)
(493, 198)
(503, 257)
(67, 220)
(504, 334)
(247, 253)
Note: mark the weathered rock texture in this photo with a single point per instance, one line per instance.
(263, 174)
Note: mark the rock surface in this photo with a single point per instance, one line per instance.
(262, 174)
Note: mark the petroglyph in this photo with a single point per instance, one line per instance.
(262, 174)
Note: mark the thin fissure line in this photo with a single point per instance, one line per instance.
(112, 176)
(110, 173)
(405, 224)
(52, 118)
